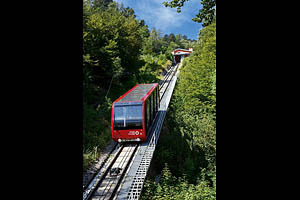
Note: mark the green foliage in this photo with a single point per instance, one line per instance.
(153, 66)
(206, 15)
(156, 45)
(112, 39)
(175, 4)
(153, 44)
(170, 187)
(111, 42)
(188, 141)
(88, 159)
(195, 96)
(95, 132)
(101, 4)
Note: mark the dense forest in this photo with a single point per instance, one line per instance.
(185, 157)
(119, 51)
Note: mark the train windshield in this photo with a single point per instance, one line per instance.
(128, 117)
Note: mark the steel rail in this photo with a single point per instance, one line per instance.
(162, 82)
(162, 86)
(113, 182)
(110, 183)
(167, 76)
(100, 175)
(101, 166)
(125, 171)
(173, 72)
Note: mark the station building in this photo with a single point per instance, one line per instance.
(180, 54)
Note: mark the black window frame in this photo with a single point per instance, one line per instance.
(128, 126)
(157, 93)
(148, 114)
(151, 107)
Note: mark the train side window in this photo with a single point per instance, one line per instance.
(148, 114)
(145, 118)
(158, 98)
(155, 101)
(157, 95)
(154, 104)
(151, 107)
(157, 92)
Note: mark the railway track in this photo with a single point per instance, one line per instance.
(105, 183)
(163, 85)
(162, 82)
(90, 174)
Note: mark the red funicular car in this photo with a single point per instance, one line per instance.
(133, 113)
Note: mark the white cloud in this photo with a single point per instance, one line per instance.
(166, 19)
(157, 15)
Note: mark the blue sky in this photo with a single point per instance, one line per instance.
(166, 19)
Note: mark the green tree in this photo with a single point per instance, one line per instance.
(206, 15)
(170, 187)
(112, 40)
(154, 44)
(100, 4)
(112, 43)
(178, 40)
(172, 37)
(190, 138)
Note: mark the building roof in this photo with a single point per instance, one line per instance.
(182, 51)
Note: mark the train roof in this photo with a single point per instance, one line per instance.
(139, 92)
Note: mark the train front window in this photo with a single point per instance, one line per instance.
(128, 117)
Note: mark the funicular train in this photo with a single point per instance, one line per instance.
(133, 113)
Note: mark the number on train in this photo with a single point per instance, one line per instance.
(133, 113)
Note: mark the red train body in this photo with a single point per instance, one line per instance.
(133, 113)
